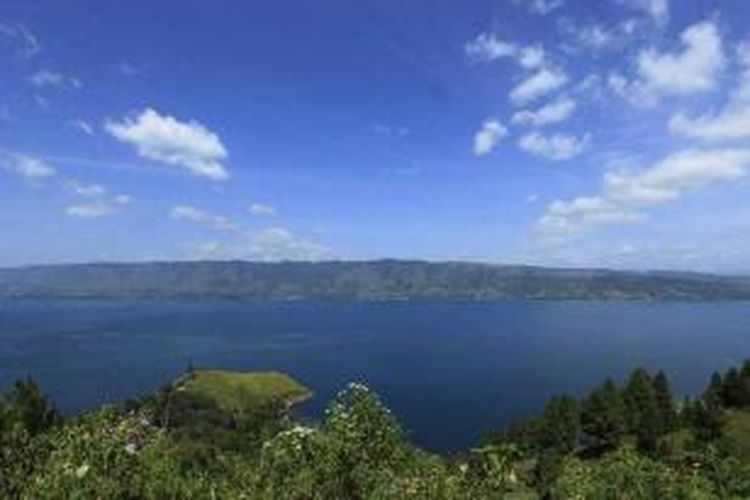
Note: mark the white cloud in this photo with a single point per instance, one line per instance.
(531, 56)
(566, 217)
(625, 193)
(27, 166)
(541, 7)
(732, 122)
(270, 244)
(261, 209)
(395, 130)
(537, 85)
(46, 78)
(92, 190)
(278, 243)
(598, 37)
(198, 216)
(25, 43)
(487, 138)
(695, 69)
(91, 210)
(553, 147)
(658, 10)
(595, 37)
(97, 202)
(128, 69)
(674, 175)
(554, 112)
(83, 126)
(165, 139)
(487, 48)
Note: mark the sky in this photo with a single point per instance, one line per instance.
(613, 133)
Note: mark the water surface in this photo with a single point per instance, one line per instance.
(448, 369)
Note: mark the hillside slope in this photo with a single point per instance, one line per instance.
(370, 280)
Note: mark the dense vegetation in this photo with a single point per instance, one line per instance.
(228, 435)
(386, 279)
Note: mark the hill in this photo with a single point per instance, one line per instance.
(364, 280)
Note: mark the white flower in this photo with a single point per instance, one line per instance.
(82, 470)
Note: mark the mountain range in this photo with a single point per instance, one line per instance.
(361, 280)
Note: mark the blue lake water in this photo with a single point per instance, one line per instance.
(448, 369)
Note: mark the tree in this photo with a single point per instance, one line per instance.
(25, 405)
(561, 424)
(732, 390)
(705, 415)
(643, 413)
(716, 384)
(665, 402)
(603, 415)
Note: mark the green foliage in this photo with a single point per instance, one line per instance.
(561, 425)
(224, 435)
(665, 403)
(603, 416)
(25, 406)
(627, 475)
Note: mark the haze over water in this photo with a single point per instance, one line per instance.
(447, 369)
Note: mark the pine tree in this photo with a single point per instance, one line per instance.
(744, 392)
(643, 412)
(603, 415)
(665, 402)
(636, 394)
(732, 393)
(715, 389)
(561, 424)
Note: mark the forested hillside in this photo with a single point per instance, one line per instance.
(230, 435)
(369, 280)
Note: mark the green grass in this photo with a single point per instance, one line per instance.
(235, 391)
(737, 434)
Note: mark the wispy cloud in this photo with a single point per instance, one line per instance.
(271, 243)
(658, 10)
(23, 41)
(51, 79)
(29, 167)
(94, 200)
(97, 208)
(556, 111)
(261, 210)
(487, 47)
(540, 7)
(83, 126)
(202, 217)
(554, 147)
(625, 193)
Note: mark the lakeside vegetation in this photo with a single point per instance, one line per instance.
(213, 434)
(364, 280)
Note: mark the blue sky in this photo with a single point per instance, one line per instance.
(558, 132)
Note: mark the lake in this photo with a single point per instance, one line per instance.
(449, 370)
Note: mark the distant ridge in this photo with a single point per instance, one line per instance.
(361, 280)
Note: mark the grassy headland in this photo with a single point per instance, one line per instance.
(215, 434)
